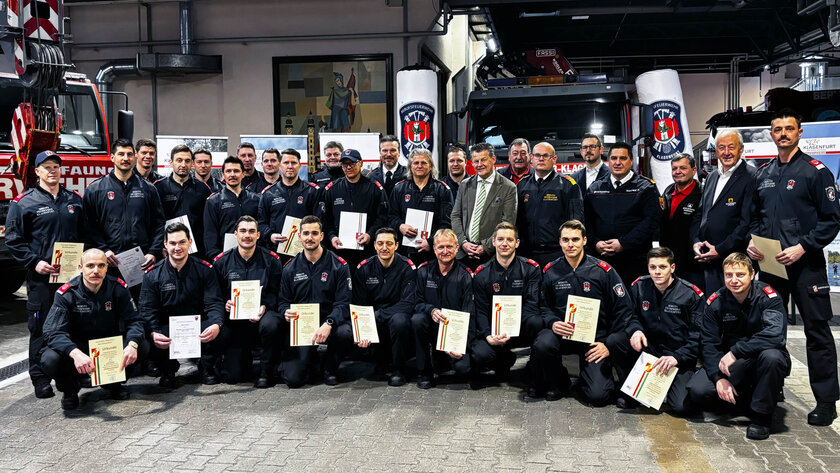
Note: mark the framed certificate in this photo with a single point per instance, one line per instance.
(647, 386)
(106, 355)
(582, 313)
(305, 324)
(245, 299)
(363, 322)
(453, 331)
(68, 257)
(506, 316)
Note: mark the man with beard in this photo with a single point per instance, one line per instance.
(594, 169)
(147, 160)
(222, 210)
(203, 161)
(680, 204)
(332, 165)
(457, 164)
(183, 195)
(390, 171)
(519, 157)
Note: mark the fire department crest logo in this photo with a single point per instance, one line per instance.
(72, 209)
(645, 305)
(417, 120)
(668, 136)
(407, 197)
(619, 290)
(790, 184)
(496, 287)
(300, 200)
(526, 197)
(324, 277)
(829, 193)
(111, 195)
(108, 305)
(586, 287)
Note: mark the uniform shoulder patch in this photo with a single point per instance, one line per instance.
(533, 263)
(312, 184)
(817, 164)
(570, 179)
(469, 271)
(445, 185)
(650, 180)
(711, 298)
(20, 196)
(410, 263)
(211, 195)
(769, 291)
(266, 188)
(150, 268)
(765, 165)
(287, 262)
(341, 260)
(63, 288)
(637, 280)
(697, 290)
(275, 255)
(332, 183)
(424, 263)
(548, 265)
(80, 195)
(119, 280)
(400, 182)
(379, 185)
(218, 257)
(362, 263)
(603, 265)
(205, 263)
(478, 269)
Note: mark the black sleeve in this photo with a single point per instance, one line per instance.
(214, 304)
(212, 244)
(55, 327)
(156, 222)
(150, 302)
(131, 317)
(634, 323)
(648, 229)
(711, 343)
(691, 350)
(16, 239)
(95, 232)
(772, 333)
(421, 306)
(739, 236)
(482, 307)
(343, 296)
(531, 298)
(828, 212)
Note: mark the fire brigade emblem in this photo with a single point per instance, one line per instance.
(526, 197)
(790, 185)
(619, 290)
(300, 200)
(669, 139)
(586, 287)
(496, 287)
(645, 305)
(72, 209)
(324, 277)
(111, 195)
(407, 197)
(417, 120)
(829, 192)
(108, 305)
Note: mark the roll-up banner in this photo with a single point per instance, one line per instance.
(418, 112)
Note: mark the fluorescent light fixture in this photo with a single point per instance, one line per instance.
(491, 45)
(580, 17)
(596, 128)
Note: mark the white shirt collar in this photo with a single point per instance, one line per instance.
(594, 170)
(731, 170)
(489, 180)
(623, 181)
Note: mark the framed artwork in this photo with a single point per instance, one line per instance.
(346, 93)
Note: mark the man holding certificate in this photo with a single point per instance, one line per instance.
(795, 201)
(419, 206)
(387, 283)
(223, 209)
(588, 278)
(742, 335)
(353, 194)
(41, 217)
(511, 278)
(315, 276)
(291, 196)
(183, 285)
(249, 263)
(443, 283)
(667, 312)
(89, 307)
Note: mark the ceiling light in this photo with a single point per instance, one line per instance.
(491, 45)
(580, 17)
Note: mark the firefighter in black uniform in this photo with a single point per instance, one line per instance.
(586, 276)
(222, 210)
(436, 291)
(546, 200)
(456, 169)
(288, 197)
(795, 202)
(422, 191)
(742, 336)
(389, 171)
(41, 216)
(316, 275)
(202, 171)
(91, 306)
(124, 211)
(183, 195)
(183, 285)
(622, 215)
(146, 166)
(249, 262)
(680, 204)
(387, 282)
(331, 171)
(354, 193)
(667, 312)
(505, 275)
(248, 155)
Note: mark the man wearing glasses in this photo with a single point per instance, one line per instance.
(520, 165)
(594, 169)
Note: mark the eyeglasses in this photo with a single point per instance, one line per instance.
(347, 164)
(590, 146)
(543, 156)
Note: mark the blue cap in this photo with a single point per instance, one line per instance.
(352, 155)
(45, 155)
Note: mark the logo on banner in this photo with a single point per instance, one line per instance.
(417, 119)
(669, 137)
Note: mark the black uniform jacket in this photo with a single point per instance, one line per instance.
(221, 212)
(390, 290)
(187, 199)
(674, 232)
(453, 291)
(263, 266)
(747, 329)
(670, 320)
(436, 197)
(194, 290)
(378, 175)
(122, 216)
(326, 283)
(725, 222)
(594, 279)
(78, 315)
(279, 201)
(365, 196)
(580, 176)
(542, 208)
(521, 278)
(630, 213)
(326, 175)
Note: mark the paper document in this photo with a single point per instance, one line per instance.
(67, 256)
(230, 242)
(363, 323)
(130, 266)
(184, 331)
(245, 299)
(106, 355)
(305, 325)
(506, 315)
(291, 230)
(186, 221)
(770, 248)
(582, 313)
(420, 220)
(350, 226)
(454, 331)
(645, 385)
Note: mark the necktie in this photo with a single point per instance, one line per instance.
(617, 183)
(539, 181)
(388, 177)
(479, 209)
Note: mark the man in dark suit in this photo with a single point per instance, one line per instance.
(489, 198)
(594, 169)
(722, 225)
(519, 156)
(680, 202)
(390, 171)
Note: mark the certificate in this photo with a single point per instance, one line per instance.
(582, 314)
(507, 315)
(291, 229)
(186, 221)
(305, 324)
(453, 331)
(230, 242)
(420, 220)
(350, 226)
(770, 248)
(645, 385)
(67, 256)
(131, 262)
(245, 299)
(363, 323)
(184, 331)
(106, 355)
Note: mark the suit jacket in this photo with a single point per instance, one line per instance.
(500, 205)
(580, 176)
(674, 232)
(725, 222)
(377, 175)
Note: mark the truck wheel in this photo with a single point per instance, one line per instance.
(12, 283)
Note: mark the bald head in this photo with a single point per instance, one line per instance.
(94, 253)
(94, 268)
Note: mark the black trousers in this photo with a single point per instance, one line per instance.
(244, 337)
(757, 380)
(67, 380)
(501, 357)
(427, 357)
(808, 284)
(395, 341)
(40, 295)
(549, 373)
(713, 276)
(628, 264)
(298, 361)
(210, 351)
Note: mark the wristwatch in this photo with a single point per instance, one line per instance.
(132, 344)
(330, 322)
